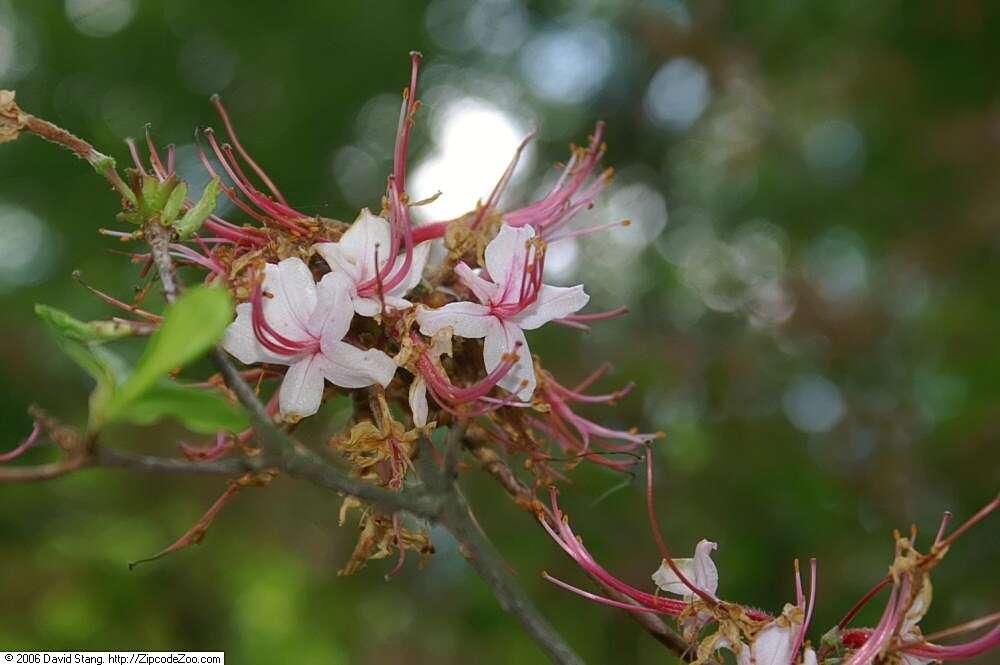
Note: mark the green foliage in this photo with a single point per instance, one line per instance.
(87, 331)
(143, 395)
(199, 212)
(191, 325)
(175, 201)
(202, 411)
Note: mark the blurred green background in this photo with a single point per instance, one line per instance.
(813, 270)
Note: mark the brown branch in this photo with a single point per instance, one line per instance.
(31, 474)
(525, 497)
(110, 458)
(484, 559)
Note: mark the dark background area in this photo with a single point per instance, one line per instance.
(813, 270)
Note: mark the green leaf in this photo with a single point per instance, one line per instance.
(203, 411)
(191, 325)
(103, 366)
(88, 331)
(172, 207)
(156, 194)
(199, 212)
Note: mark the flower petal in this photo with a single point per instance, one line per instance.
(242, 343)
(339, 261)
(289, 297)
(302, 390)
(483, 289)
(706, 575)
(367, 307)
(773, 644)
(366, 233)
(554, 302)
(505, 257)
(417, 263)
(418, 400)
(910, 630)
(667, 580)
(331, 319)
(466, 319)
(699, 570)
(520, 380)
(350, 367)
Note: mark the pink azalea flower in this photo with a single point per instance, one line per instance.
(302, 324)
(367, 254)
(512, 299)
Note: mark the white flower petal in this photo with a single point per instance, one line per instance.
(910, 659)
(809, 657)
(554, 302)
(416, 273)
(242, 343)
(338, 261)
(505, 257)
(667, 580)
(699, 570)
(418, 400)
(368, 307)
(360, 240)
(350, 367)
(466, 319)
(910, 626)
(289, 297)
(331, 319)
(773, 644)
(706, 575)
(302, 389)
(483, 289)
(520, 380)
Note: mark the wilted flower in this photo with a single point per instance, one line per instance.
(293, 321)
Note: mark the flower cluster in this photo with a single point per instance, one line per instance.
(327, 309)
(710, 624)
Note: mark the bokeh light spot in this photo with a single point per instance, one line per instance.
(100, 18)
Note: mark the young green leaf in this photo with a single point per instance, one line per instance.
(199, 212)
(102, 365)
(172, 208)
(87, 331)
(191, 325)
(203, 411)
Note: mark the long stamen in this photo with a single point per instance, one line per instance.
(111, 300)
(231, 130)
(271, 338)
(800, 639)
(664, 551)
(23, 447)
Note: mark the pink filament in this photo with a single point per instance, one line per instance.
(23, 447)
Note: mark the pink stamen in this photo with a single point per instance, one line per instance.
(270, 338)
(24, 446)
(231, 130)
(800, 639)
(971, 649)
(664, 551)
